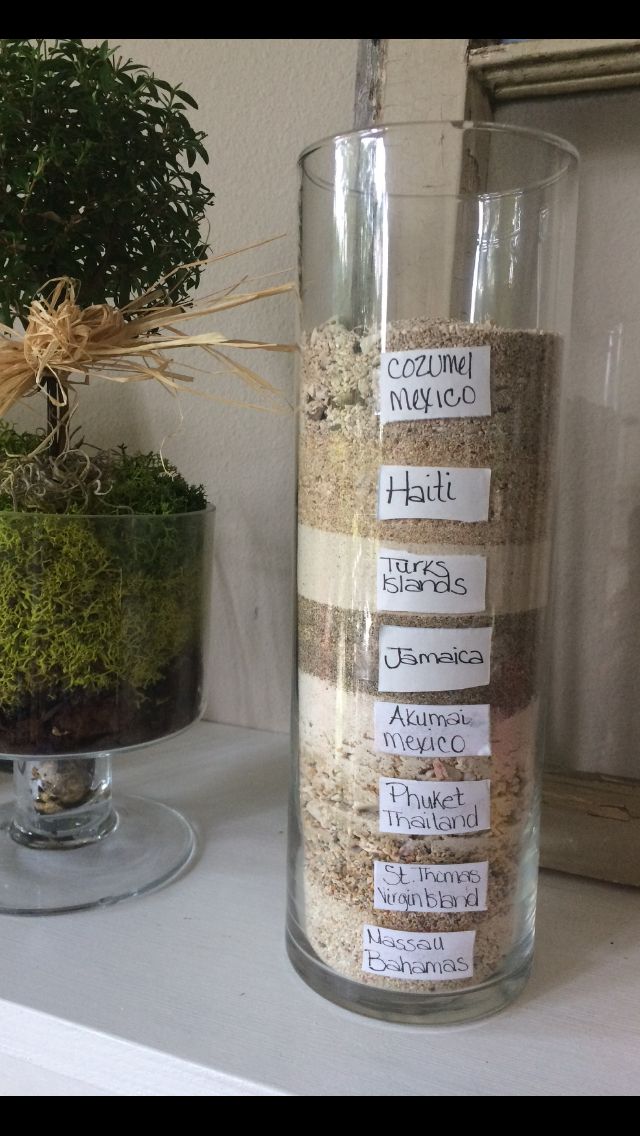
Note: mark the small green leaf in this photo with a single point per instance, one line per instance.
(189, 100)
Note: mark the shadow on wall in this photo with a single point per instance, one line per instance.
(595, 685)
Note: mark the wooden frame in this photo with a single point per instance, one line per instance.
(537, 68)
(590, 822)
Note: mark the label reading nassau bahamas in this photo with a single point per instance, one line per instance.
(440, 382)
(421, 956)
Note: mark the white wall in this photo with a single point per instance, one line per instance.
(260, 102)
(595, 696)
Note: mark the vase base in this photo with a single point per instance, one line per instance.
(149, 845)
(407, 1009)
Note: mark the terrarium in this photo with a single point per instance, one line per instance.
(105, 554)
(436, 266)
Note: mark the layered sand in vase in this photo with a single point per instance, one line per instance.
(342, 447)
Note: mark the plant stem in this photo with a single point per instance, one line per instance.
(56, 415)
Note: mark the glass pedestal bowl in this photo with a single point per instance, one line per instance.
(103, 643)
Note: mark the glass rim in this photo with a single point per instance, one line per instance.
(553, 141)
(24, 514)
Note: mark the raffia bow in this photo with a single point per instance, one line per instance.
(124, 345)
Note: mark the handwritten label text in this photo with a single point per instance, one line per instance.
(446, 382)
(433, 493)
(430, 887)
(432, 731)
(434, 806)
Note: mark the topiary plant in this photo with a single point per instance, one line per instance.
(96, 176)
(103, 554)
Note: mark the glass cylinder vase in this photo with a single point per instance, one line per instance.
(436, 269)
(103, 649)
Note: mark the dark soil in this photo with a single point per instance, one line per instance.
(84, 721)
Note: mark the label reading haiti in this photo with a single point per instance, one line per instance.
(433, 493)
(430, 887)
(419, 659)
(448, 585)
(443, 382)
(418, 957)
(432, 731)
(415, 807)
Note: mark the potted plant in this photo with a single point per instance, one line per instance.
(104, 555)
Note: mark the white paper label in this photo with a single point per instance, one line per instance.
(432, 731)
(435, 493)
(434, 806)
(430, 887)
(418, 659)
(430, 584)
(421, 956)
(445, 382)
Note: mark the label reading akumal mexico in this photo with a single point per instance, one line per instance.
(430, 887)
(431, 584)
(416, 807)
(440, 382)
(432, 731)
(433, 493)
(419, 659)
(418, 957)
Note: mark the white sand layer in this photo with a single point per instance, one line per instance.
(337, 748)
(340, 570)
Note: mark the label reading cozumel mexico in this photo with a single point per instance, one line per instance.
(419, 807)
(443, 382)
(418, 659)
(448, 585)
(432, 731)
(435, 493)
(430, 887)
(420, 956)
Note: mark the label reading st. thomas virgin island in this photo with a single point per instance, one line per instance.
(430, 887)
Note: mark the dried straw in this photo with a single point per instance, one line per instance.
(123, 345)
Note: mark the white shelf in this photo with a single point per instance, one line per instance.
(189, 992)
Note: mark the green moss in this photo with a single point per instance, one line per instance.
(144, 483)
(90, 481)
(96, 601)
(71, 617)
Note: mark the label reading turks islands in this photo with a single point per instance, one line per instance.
(418, 659)
(441, 382)
(417, 807)
(432, 731)
(433, 493)
(430, 887)
(418, 957)
(430, 584)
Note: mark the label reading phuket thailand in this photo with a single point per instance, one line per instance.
(432, 731)
(433, 493)
(445, 382)
(418, 659)
(430, 887)
(430, 584)
(418, 957)
(434, 806)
